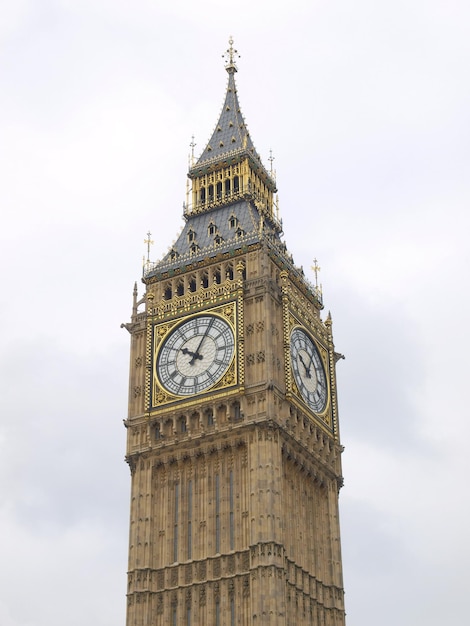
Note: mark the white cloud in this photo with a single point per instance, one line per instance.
(365, 107)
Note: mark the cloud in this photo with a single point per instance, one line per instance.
(365, 108)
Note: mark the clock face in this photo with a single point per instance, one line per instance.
(308, 370)
(195, 355)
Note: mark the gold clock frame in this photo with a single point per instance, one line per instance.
(158, 396)
(325, 417)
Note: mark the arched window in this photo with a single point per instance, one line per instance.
(227, 186)
(236, 184)
(192, 284)
(236, 411)
(209, 417)
(219, 191)
(205, 280)
(180, 288)
(202, 195)
(211, 193)
(167, 294)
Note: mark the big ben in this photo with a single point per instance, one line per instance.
(232, 431)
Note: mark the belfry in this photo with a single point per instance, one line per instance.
(232, 430)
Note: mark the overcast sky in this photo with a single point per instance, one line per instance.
(366, 107)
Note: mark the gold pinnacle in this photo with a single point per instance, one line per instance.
(192, 145)
(316, 268)
(230, 54)
(148, 243)
(271, 159)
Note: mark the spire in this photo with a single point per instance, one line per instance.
(231, 140)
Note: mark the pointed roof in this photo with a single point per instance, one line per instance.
(231, 140)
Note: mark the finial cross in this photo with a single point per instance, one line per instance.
(192, 145)
(271, 159)
(316, 268)
(148, 243)
(230, 55)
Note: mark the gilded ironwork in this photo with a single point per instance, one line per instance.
(161, 332)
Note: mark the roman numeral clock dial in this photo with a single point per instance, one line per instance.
(308, 370)
(195, 355)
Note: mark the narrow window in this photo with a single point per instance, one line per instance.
(217, 277)
(232, 612)
(183, 427)
(202, 195)
(188, 616)
(227, 186)
(236, 184)
(219, 191)
(211, 193)
(229, 272)
(205, 280)
(212, 228)
(217, 612)
(210, 417)
(168, 293)
(175, 524)
(236, 411)
(190, 516)
(232, 530)
(217, 514)
(180, 289)
(192, 284)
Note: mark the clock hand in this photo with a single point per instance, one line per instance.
(191, 353)
(196, 354)
(307, 369)
(311, 362)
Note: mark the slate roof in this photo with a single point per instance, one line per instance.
(229, 226)
(223, 229)
(206, 234)
(231, 139)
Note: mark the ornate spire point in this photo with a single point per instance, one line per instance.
(148, 243)
(271, 159)
(230, 55)
(316, 268)
(192, 145)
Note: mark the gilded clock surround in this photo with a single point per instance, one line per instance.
(161, 331)
(234, 500)
(319, 378)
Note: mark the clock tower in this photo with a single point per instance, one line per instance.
(232, 431)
